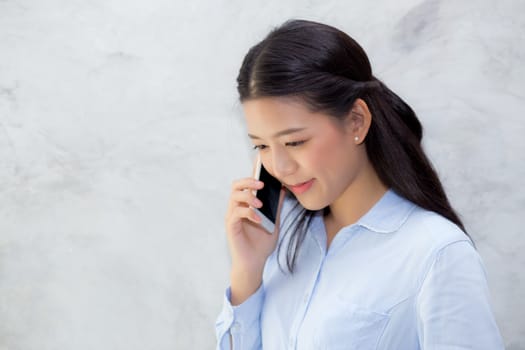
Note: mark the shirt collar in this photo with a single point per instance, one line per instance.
(388, 214)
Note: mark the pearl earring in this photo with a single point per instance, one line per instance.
(356, 139)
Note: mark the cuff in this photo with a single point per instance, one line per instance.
(240, 317)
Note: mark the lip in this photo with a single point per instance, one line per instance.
(301, 187)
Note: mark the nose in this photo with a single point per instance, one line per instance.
(282, 164)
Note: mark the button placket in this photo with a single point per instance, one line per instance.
(307, 298)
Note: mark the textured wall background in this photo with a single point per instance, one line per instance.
(120, 134)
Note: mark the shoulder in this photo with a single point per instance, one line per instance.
(409, 225)
(432, 229)
(419, 234)
(429, 237)
(452, 298)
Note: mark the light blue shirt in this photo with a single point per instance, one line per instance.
(399, 278)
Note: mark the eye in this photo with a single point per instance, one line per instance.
(259, 147)
(295, 143)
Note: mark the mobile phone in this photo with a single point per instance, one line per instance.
(268, 195)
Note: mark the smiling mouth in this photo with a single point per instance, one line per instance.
(301, 187)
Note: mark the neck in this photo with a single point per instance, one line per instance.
(356, 200)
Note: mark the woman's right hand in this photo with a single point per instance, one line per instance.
(249, 243)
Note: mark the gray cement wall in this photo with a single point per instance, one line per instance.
(120, 134)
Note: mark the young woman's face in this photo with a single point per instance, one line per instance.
(313, 154)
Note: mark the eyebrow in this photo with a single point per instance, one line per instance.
(280, 133)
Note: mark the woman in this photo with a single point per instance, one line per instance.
(368, 253)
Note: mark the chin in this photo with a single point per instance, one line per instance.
(312, 205)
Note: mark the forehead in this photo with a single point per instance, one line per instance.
(265, 116)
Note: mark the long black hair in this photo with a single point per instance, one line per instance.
(328, 70)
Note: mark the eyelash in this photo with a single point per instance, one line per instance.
(292, 144)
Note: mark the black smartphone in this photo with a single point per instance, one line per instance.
(268, 195)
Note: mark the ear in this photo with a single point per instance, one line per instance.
(359, 120)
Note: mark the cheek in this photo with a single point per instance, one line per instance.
(331, 152)
(336, 164)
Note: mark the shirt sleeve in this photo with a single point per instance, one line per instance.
(238, 327)
(454, 303)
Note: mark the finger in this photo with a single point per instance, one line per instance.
(246, 198)
(243, 199)
(247, 184)
(245, 213)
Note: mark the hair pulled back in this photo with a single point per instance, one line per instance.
(328, 70)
